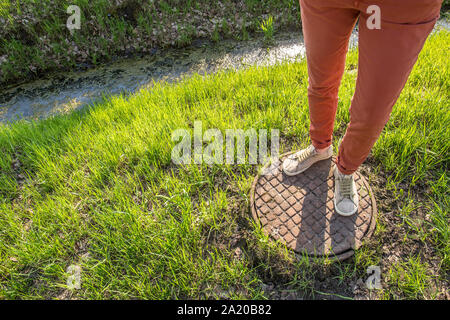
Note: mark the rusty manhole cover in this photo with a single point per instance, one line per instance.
(299, 210)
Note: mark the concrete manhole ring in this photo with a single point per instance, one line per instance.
(299, 210)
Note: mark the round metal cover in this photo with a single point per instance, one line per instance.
(299, 210)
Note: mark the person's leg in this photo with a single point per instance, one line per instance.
(327, 26)
(386, 58)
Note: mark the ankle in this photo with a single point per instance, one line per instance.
(341, 174)
(322, 150)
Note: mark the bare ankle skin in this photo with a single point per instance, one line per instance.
(321, 150)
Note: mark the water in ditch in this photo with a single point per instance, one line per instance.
(64, 92)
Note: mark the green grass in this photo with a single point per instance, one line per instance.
(412, 279)
(268, 29)
(97, 188)
(34, 39)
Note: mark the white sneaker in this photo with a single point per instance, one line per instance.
(300, 161)
(346, 199)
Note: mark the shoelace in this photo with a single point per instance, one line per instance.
(305, 154)
(345, 187)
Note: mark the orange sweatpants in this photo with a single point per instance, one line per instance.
(386, 57)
